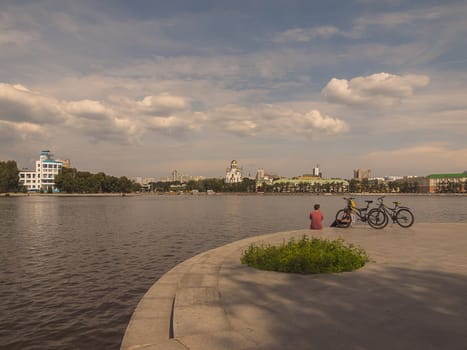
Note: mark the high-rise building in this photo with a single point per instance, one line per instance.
(175, 175)
(361, 174)
(43, 177)
(316, 171)
(260, 174)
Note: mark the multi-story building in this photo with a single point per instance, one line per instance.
(259, 174)
(311, 184)
(444, 183)
(43, 177)
(316, 172)
(434, 183)
(360, 174)
(145, 182)
(233, 174)
(183, 178)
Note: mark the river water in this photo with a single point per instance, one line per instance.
(72, 269)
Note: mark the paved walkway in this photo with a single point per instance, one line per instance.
(412, 295)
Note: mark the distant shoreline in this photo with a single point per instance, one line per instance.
(69, 194)
(171, 194)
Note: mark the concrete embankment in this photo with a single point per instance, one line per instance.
(410, 296)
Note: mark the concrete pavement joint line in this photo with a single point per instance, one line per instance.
(171, 327)
(417, 277)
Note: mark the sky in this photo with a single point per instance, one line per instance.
(140, 88)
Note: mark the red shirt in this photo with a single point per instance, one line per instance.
(316, 220)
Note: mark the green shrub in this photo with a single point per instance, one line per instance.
(306, 256)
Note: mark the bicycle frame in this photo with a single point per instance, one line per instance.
(360, 213)
(398, 214)
(390, 212)
(376, 219)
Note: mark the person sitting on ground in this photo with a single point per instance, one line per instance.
(316, 218)
(342, 222)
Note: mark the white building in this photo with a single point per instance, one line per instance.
(43, 177)
(316, 172)
(233, 174)
(260, 174)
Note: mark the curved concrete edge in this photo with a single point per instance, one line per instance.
(188, 287)
(190, 306)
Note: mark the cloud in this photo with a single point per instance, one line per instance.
(19, 132)
(99, 122)
(274, 120)
(423, 157)
(9, 35)
(396, 19)
(314, 120)
(376, 89)
(19, 104)
(25, 112)
(163, 104)
(305, 34)
(124, 120)
(87, 109)
(177, 125)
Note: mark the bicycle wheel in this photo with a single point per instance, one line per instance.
(343, 218)
(377, 218)
(404, 218)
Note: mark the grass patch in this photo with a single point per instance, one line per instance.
(307, 256)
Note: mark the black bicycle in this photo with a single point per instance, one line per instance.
(376, 218)
(398, 214)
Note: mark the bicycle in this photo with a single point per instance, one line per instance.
(377, 218)
(398, 214)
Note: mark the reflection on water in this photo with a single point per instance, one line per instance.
(73, 269)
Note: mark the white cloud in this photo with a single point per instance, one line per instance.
(87, 109)
(163, 104)
(274, 120)
(126, 120)
(306, 34)
(317, 121)
(26, 112)
(376, 89)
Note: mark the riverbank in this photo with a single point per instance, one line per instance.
(70, 194)
(410, 296)
(18, 194)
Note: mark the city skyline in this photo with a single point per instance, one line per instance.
(248, 173)
(141, 88)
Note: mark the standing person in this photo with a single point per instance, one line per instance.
(316, 218)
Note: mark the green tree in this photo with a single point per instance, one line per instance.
(354, 186)
(365, 185)
(73, 181)
(393, 186)
(9, 177)
(64, 181)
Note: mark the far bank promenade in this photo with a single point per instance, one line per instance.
(412, 295)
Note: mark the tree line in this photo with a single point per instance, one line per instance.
(9, 177)
(204, 185)
(248, 185)
(366, 185)
(70, 180)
